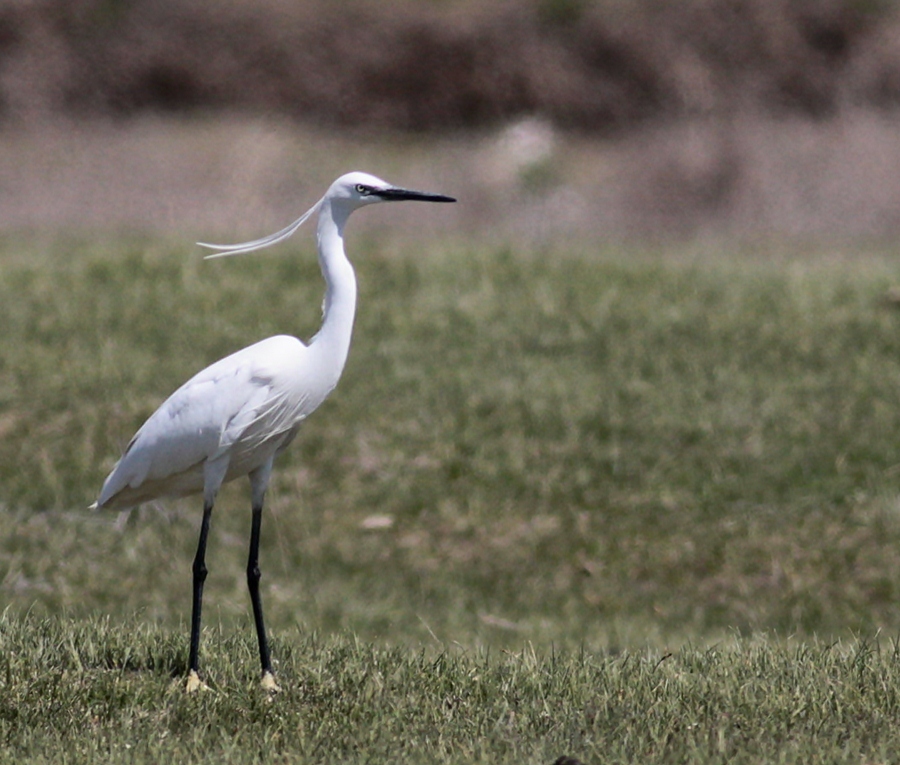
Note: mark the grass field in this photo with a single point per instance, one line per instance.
(98, 691)
(622, 505)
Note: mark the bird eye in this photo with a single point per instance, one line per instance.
(363, 189)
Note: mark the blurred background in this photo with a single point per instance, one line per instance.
(548, 118)
(549, 440)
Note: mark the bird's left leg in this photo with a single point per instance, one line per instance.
(259, 480)
(199, 571)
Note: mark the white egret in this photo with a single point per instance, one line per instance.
(235, 416)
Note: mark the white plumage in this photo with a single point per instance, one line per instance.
(232, 418)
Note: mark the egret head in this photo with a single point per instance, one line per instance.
(359, 189)
(347, 193)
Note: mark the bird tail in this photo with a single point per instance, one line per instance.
(121, 518)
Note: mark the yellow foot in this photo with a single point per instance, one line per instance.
(194, 683)
(268, 683)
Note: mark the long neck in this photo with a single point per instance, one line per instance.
(332, 342)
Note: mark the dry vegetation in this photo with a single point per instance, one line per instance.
(739, 117)
(600, 65)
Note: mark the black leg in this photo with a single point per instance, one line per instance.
(200, 571)
(253, 577)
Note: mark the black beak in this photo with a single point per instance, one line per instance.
(397, 195)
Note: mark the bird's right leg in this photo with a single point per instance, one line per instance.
(259, 480)
(199, 571)
(253, 577)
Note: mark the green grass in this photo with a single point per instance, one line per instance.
(607, 456)
(103, 691)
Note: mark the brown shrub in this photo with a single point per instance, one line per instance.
(448, 66)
